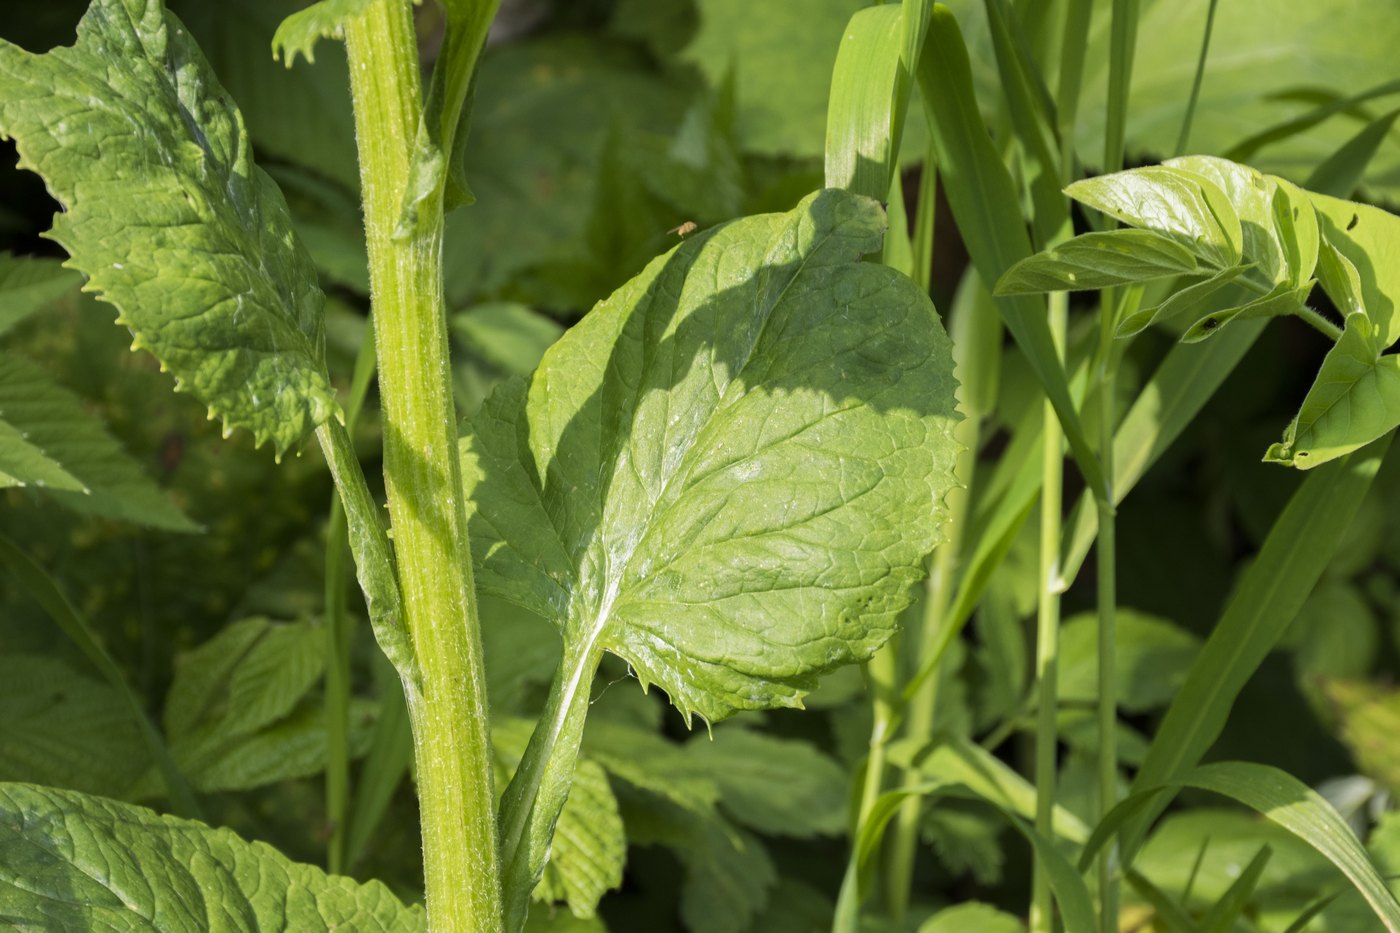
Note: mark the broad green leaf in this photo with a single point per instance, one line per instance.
(1283, 799)
(1354, 400)
(781, 57)
(1297, 229)
(971, 916)
(1370, 238)
(1099, 260)
(988, 213)
(1179, 204)
(27, 283)
(96, 477)
(1252, 194)
(174, 224)
(779, 787)
(73, 862)
(60, 728)
(1340, 280)
(730, 467)
(1153, 656)
(1184, 302)
(728, 871)
(299, 33)
(241, 713)
(1281, 300)
(1269, 593)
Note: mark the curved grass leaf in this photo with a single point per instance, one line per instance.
(1341, 173)
(1268, 597)
(75, 862)
(1175, 202)
(173, 223)
(1099, 260)
(1354, 400)
(1283, 799)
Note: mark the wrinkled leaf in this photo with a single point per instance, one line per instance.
(737, 447)
(174, 224)
(74, 862)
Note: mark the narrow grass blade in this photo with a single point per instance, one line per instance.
(1033, 121)
(46, 593)
(1292, 559)
(1341, 173)
(1167, 912)
(1281, 798)
(1185, 137)
(1225, 911)
(987, 209)
(1244, 151)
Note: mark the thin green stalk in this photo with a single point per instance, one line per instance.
(422, 473)
(1185, 136)
(1048, 634)
(1107, 624)
(882, 673)
(924, 217)
(338, 635)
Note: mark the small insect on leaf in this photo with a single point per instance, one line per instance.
(685, 229)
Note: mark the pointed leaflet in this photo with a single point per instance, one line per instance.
(1354, 400)
(1099, 260)
(729, 472)
(169, 218)
(74, 862)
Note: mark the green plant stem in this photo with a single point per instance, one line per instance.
(1324, 326)
(536, 795)
(882, 673)
(422, 473)
(923, 706)
(1122, 45)
(338, 633)
(1048, 634)
(1107, 620)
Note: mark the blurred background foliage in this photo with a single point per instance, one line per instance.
(599, 128)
